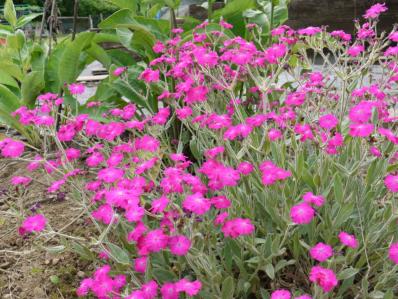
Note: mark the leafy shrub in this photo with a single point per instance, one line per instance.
(281, 182)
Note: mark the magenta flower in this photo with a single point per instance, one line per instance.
(149, 75)
(317, 200)
(190, 288)
(328, 121)
(20, 180)
(361, 130)
(321, 252)
(11, 148)
(196, 94)
(110, 175)
(354, 51)
(31, 224)
(237, 227)
(150, 289)
(281, 294)
(309, 31)
(76, 88)
(140, 264)
(274, 134)
(184, 113)
(120, 70)
(391, 182)
(375, 151)
(179, 245)
(374, 11)
(348, 240)
(393, 252)
(155, 240)
(196, 203)
(169, 291)
(394, 36)
(302, 213)
(303, 297)
(245, 168)
(104, 213)
(323, 277)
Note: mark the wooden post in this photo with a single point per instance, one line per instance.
(43, 19)
(75, 12)
(52, 17)
(90, 20)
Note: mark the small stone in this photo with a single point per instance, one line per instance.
(55, 261)
(47, 262)
(81, 274)
(38, 293)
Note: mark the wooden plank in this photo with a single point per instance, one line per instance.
(91, 78)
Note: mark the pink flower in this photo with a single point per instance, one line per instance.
(281, 294)
(158, 47)
(20, 180)
(324, 277)
(11, 148)
(150, 289)
(220, 219)
(361, 130)
(391, 182)
(140, 264)
(317, 200)
(245, 168)
(32, 224)
(394, 36)
(328, 121)
(348, 240)
(196, 94)
(169, 291)
(150, 75)
(84, 287)
(134, 214)
(321, 252)
(271, 173)
(237, 227)
(120, 70)
(303, 297)
(393, 252)
(184, 113)
(147, 143)
(110, 175)
(375, 10)
(72, 154)
(375, 151)
(76, 88)
(274, 134)
(354, 51)
(196, 203)
(104, 213)
(179, 245)
(302, 213)
(190, 288)
(155, 240)
(94, 159)
(159, 205)
(309, 31)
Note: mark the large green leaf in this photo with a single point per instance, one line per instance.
(10, 14)
(32, 85)
(235, 7)
(22, 21)
(12, 69)
(68, 66)
(52, 79)
(99, 54)
(129, 4)
(7, 79)
(123, 16)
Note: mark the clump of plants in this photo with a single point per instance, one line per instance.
(262, 175)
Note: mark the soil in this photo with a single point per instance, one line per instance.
(26, 271)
